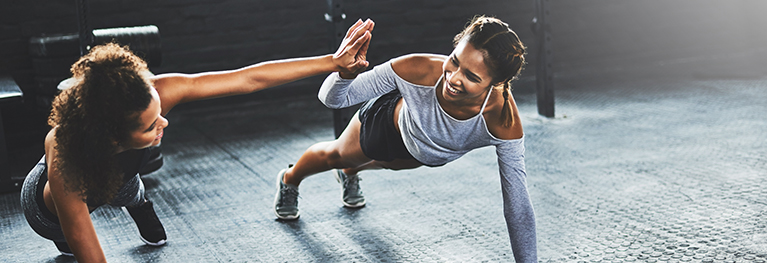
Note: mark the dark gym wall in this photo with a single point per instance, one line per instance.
(590, 37)
(201, 35)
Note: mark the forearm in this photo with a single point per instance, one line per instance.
(78, 228)
(517, 208)
(337, 92)
(85, 246)
(72, 211)
(274, 73)
(520, 221)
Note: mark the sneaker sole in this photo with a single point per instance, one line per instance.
(358, 205)
(277, 196)
(154, 244)
(63, 253)
(157, 244)
(338, 179)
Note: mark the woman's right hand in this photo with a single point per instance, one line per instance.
(350, 58)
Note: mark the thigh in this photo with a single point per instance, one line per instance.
(32, 204)
(131, 193)
(400, 164)
(348, 145)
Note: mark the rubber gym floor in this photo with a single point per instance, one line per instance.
(631, 169)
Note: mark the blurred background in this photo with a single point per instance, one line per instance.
(591, 39)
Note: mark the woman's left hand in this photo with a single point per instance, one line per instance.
(351, 55)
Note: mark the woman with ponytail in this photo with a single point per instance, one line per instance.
(105, 122)
(426, 109)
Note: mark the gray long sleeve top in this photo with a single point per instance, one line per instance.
(433, 137)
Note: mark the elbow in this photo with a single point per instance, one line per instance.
(331, 104)
(251, 85)
(331, 101)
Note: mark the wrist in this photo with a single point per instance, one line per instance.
(347, 75)
(332, 64)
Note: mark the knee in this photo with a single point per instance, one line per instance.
(329, 154)
(400, 164)
(334, 159)
(392, 167)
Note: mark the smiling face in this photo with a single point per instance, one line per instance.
(151, 126)
(466, 76)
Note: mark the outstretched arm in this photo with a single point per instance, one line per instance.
(517, 208)
(72, 211)
(179, 88)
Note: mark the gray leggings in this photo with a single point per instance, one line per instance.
(45, 223)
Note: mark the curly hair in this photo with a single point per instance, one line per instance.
(504, 54)
(96, 116)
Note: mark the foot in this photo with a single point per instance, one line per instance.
(64, 248)
(149, 226)
(352, 194)
(286, 199)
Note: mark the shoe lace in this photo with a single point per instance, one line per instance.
(289, 196)
(352, 183)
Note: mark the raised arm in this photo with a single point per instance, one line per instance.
(517, 208)
(72, 211)
(344, 89)
(178, 88)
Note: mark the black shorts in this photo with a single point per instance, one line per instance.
(379, 138)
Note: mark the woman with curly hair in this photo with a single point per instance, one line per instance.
(104, 124)
(428, 109)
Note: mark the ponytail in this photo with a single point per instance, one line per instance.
(507, 117)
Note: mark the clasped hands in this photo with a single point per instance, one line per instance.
(350, 59)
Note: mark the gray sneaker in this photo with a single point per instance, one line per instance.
(352, 196)
(286, 199)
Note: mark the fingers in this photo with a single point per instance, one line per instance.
(353, 28)
(359, 25)
(361, 42)
(360, 30)
(357, 38)
(370, 24)
(350, 57)
(364, 49)
(355, 69)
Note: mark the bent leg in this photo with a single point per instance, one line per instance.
(397, 164)
(344, 152)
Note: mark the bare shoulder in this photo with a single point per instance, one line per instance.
(165, 80)
(171, 87)
(50, 141)
(422, 69)
(493, 113)
(51, 154)
(54, 175)
(165, 83)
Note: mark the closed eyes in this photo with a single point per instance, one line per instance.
(470, 75)
(151, 127)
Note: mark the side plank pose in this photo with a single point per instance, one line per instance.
(426, 109)
(104, 124)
